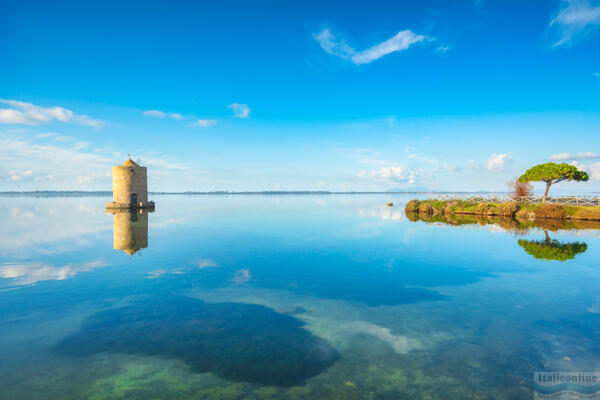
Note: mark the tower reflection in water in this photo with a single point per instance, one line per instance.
(130, 230)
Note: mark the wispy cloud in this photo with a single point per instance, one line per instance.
(574, 156)
(595, 171)
(28, 161)
(339, 48)
(240, 110)
(30, 114)
(391, 175)
(575, 18)
(440, 165)
(472, 164)
(154, 114)
(204, 123)
(54, 164)
(15, 175)
(162, 114)
(497, 162)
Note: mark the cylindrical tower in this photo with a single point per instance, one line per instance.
(130, 186)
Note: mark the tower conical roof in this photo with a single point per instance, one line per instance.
(129, 163)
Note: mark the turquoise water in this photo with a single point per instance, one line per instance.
(286, 297)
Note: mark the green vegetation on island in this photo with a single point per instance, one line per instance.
(511, 209)
(517, 225)
(520, 207)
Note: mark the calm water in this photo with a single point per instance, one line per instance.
(287, 297)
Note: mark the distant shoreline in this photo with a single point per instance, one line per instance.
(51, 193)
(76, 193)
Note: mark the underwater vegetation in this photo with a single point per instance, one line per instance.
(239, 342)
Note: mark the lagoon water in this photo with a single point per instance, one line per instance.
(286, 297)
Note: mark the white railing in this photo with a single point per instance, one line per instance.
(590, 201)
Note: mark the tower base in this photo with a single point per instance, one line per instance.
(130, 206)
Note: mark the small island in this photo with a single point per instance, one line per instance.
(521, 205)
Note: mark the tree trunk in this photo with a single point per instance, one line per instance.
(547, 237)
(548, 183)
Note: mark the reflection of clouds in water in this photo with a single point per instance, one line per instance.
(18, 212)
(161, 272)
(386, 214)
(30, 273)
(202, 264)
(156, 274)
(35, 223)
(207, 263)
(241, 276)
(594, 308)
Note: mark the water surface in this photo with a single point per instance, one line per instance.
(291, 296)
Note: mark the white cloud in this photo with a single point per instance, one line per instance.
(18, 175)
(30, 114)
(574, 18)
(391, 175)
(240, 110)
(339, 48)
(27, 161)
(595, 171)
(205, 123)
(162, 114)
(94, 177)
(154, 113)
(497, 162)
(472, 164)
(34, 162)
(577, 156)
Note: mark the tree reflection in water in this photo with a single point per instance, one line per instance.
(547, 249)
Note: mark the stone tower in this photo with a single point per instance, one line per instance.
(130, 186)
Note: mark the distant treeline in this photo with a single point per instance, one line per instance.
(56, 193)
(53, 193)
(81, 193)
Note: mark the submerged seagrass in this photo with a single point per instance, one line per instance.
(240, 342)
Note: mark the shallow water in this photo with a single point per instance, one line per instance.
(291, 296)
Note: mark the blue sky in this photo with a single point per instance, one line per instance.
(299, 95)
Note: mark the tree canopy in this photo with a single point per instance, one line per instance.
(552, 173)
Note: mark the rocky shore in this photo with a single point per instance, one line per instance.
(516, 210)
